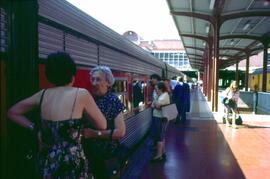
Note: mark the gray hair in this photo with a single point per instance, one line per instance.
(105, 70)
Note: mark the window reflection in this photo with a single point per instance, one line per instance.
(138, 93)
(120, 88)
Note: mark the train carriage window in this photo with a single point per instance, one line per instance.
(138, 93)
(120, 88)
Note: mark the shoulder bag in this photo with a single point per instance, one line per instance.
(169, 111)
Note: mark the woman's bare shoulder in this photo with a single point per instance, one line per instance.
(84, 93)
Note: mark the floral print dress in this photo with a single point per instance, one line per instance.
(62, 155)
(60, 151)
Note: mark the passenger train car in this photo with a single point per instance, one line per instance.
(59, 26)
(255, 79)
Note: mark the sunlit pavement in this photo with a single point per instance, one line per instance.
(250, 143)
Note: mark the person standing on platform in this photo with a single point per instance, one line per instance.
(154, 80)
(161, 122)
(255, 99)
(101, 145)
(173, 82)
(168, 87)
(181, 97)
(61, 111)
(232, 95)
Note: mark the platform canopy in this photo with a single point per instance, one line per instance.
(244, 27)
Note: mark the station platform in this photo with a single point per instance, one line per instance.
(206, 148)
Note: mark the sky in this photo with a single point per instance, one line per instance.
(150, 19)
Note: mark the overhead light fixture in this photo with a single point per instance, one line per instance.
(212, 4)
(266, 2)
(246, 26)
(207, 28)
(204, 43)
(224, 58)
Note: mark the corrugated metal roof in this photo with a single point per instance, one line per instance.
(244, 25)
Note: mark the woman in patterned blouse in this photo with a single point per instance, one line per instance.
(96, 145)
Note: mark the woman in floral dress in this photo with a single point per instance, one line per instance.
(62, 107)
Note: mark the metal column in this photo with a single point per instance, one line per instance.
(216, 65)
(247, 72)
(237, 73)
(210, 72)
(265, 58)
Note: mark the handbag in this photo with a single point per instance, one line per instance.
(238, 120)
(169, 111)
(32, 155)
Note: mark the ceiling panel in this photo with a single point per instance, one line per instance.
(190, 51)
(201, 26)
(262, 27)
(199, 43)
(235, 5)
(185, 24)
(202, 6)
(188, 41)
(258, 26)
(243, 43)
(177, 5)
(229, 52)
(228, 26)
(260, 5)
(229, 42)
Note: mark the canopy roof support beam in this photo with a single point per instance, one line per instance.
(265, 58)
(237, 73)
(210, 72)
(216, 65)
(247, 73)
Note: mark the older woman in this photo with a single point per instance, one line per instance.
(61, 109)
(161, 122)
(232, 94)
(102, 80)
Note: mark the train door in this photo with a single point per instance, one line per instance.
(3, 88)
(3, 117)
(19, 79)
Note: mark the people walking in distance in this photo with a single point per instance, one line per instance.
(61, 111)
(230, 102)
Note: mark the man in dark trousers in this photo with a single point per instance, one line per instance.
(181, 97)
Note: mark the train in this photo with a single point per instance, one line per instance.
(33, 29)
(227, 76)
(255, 79)
(254, 83)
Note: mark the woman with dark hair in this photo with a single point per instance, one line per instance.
(161, 122)
(61, 111)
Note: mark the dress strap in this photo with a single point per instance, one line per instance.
(74, 103)
(40, 102)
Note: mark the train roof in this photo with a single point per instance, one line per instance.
(63, 15)
(260, 70)
(172, 71)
